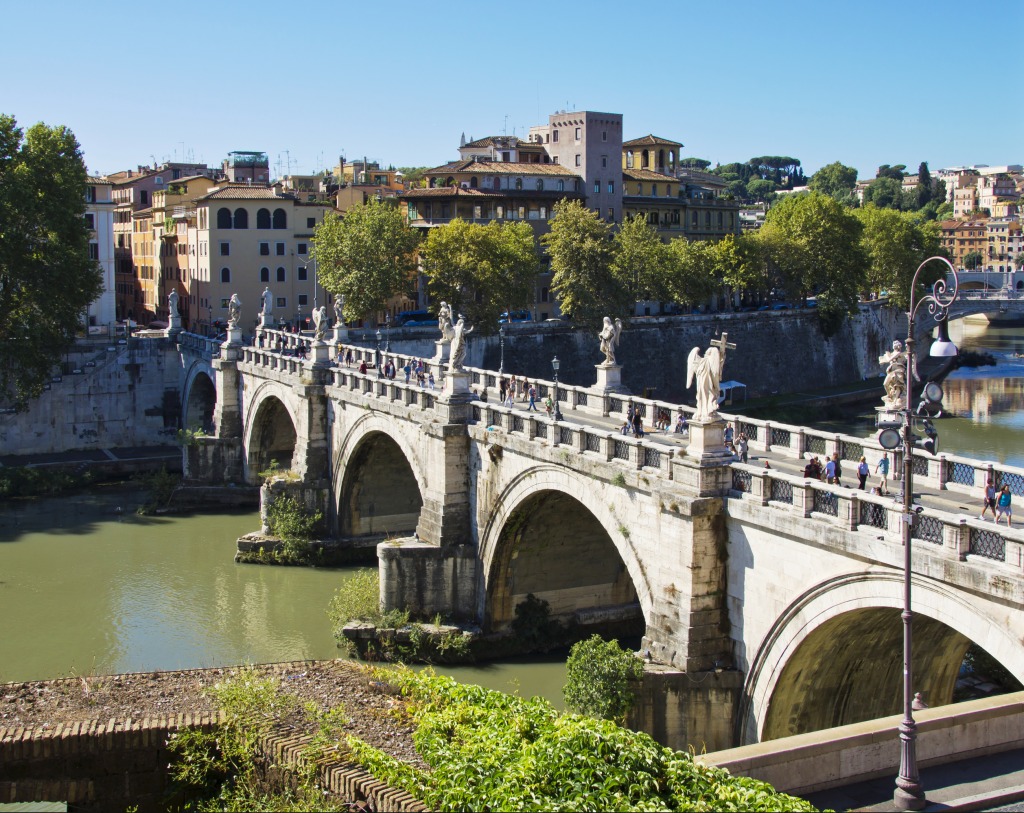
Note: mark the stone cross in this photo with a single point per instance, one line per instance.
(723, 344)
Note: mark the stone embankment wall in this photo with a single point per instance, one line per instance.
(776, 351)
(124, 396)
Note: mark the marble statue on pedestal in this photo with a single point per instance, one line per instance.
(234, 311)
(444, 322)
(339, 310)
(319, 322)
(896, 376)
(267, 300)
(708, 371)
(459, 333)
(609, 337)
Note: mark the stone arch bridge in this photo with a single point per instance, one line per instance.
(768, 604)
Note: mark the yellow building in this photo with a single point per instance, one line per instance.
(143, 307)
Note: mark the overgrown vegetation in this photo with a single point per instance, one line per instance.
(23, 481)
(492, 751)
(599, 679)
(160, 486)
(295, 525)
(221, 770)
(398, 639)
(534, 627)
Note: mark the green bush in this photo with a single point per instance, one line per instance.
(492, 751)
(358, 599)
(600, 676)
(533, 626)
(295, 525)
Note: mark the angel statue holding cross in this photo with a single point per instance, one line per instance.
(708, 371)
(609, 337)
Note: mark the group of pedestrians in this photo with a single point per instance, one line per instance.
(511, 388)
(389, 370)
(831, 472)
(998, 501)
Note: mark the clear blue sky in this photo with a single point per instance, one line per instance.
(865, 83)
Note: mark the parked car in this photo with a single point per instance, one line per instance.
(516, 316)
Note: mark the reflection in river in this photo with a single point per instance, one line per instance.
(88, 587)
(987, 402)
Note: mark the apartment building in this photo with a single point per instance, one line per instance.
(99, 218)
(248, 238)
(963, 237)
(1004, 244)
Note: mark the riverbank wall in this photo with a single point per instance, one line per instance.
(108, 396)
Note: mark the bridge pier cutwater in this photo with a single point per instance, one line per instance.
(767, 604)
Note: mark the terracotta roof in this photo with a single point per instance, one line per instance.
(459, 192)
(700, 177)
(492, 141)
(650, 140)
(647, 175)
(502, 168)
(446, 192)
(245, 192)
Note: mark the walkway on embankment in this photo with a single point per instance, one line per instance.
(952, 502)
(128, 456)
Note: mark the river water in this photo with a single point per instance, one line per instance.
(88, 587)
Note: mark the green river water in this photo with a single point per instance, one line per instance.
(88, 587)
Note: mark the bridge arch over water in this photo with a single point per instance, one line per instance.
(271, 432)
(200, 398)
(551, 534)
(378, 480)
(835, 655)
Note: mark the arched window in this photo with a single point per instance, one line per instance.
(225, 275)
(561, 186)
(654, 190)
(540, 184)
(661, 159)
(497, 183)
(473, 182)
(672, 159)
(223, 218)
(433, 183)
(449, 181)
(280, 275)
(263, 219)
(241, 219)
(265, 273)
(629, 159)
(280, 219)
(645, 159)
(143, 197)
(519, 183)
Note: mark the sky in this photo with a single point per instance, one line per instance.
(865, 83)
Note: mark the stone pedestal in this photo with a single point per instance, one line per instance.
(340, 334)
(230, 348)
(443, 352)
(174, 325)
(456, 384)
(609, 378)
(707, 441)
(320, 353)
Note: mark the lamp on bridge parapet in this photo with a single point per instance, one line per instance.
(554, 366)
(909, 794)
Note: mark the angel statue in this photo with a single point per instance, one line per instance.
(339, 310)
(234, 311)
(444, 322)
(609, 337)
(896, 376)
(708, 371)
(459, 333)
(319, 322)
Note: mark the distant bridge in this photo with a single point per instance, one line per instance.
(769, 604)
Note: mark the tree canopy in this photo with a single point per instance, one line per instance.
(481, 270)
(367, 256)
(896, 243)
(641, 263)
(835, 179)
(47, 279)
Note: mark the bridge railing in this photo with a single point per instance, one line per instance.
(369, 384)
(583, 440)
(955, 535)
(198, 345)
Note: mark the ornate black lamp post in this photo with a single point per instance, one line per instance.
(909, 794)
(379, 360)
(387, 333)
(501, 340)
(554, 366)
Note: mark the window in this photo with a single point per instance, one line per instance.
(263, 219)
(519, 183)
(90, 222)
(579, 159)
(554, 136)
(604, 161)
(302, 273)
(611, 187)
(224, 303)
(225, 275)
(597, 186)
(282, 302)
(611, 213)
(225, 249)
(280, 219)
(629, 159)
(707, 220)
(94, 251)
(544, 294)
(310, 222)
(159, 180)
(90, 194)
(579, 133)
(264, 249)
(303, 299)
(543, 212)
(223, 218)
(279, 249)
(693, 220)
(264, 274)
(654, 190)
(604, 135)
(300, 248)
(280, 275)
(561, 186)
(540, 185)
(241, 219)
(522, 213)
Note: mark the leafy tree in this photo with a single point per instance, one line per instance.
(694, 163)
(814, 243)
(885, 192)
(599, 679)
(642, 263)
(738, 265)
(46, 277)
(413, 176)
(481, 270)
(834, 179)
(367, 256)
(737, 188)
(761, 190)
(923, 191)
(895, 172)
(896, 243)
(581, 251)
(973, 260)
(694, 273)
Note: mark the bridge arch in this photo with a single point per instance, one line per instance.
(378, 481)
(835, 655)
(271, 433)
(583, 563)
(200, 397)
